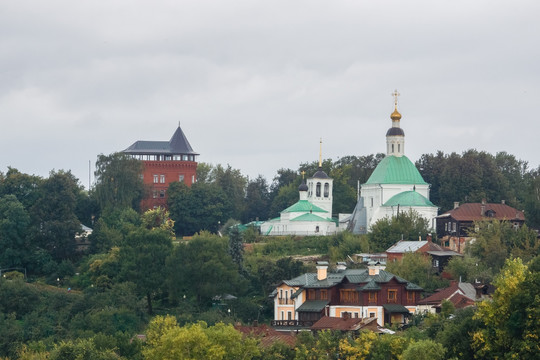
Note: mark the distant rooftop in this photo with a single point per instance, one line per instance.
(178, 145)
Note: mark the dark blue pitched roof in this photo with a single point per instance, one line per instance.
(178, 145)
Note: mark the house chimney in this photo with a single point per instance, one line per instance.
(375, 269)
(483, 209)
(428, 238)
(341, 266)
(503, 202)
(322, 270)
(456, 204)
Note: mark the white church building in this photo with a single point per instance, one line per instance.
(312, 214)
(394, 186)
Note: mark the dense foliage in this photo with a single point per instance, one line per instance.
(61, 300)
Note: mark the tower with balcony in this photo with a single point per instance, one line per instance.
(163, 163)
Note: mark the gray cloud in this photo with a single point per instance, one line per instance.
(256, 84)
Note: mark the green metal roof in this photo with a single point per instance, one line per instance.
(409, 198)
(313, 306)
(311, 217)
(303, 206)
(396, 170)
(370, 286)
(396, 309)
(411, 286)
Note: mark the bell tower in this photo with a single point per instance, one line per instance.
(320, 187)
(395, 136)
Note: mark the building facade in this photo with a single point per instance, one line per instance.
(352, 293)
(454, 226)
(312, 214)
(394, 186)
(164, 162)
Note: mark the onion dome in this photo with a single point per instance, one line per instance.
(395, 115)
(320, 174)
(303, 186)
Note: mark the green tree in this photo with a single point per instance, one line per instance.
(287, 195)
(257, 200)
(201, 269)
(532, 198)
(142, 261)
(456, 334)
(158, 219)
(53, 215)
(11, 333)
(424, 350)
(236, 247)
(233, 184)
(82, 349)
(25, 187)
(406, 225)
(15, 246)
(325, 346)
(283, 177)
(469, 269)
(270, 272)
(167, 340)
(118, 181)
(204, 171)
(201, 207)
(496, 240)
(511, 319)
(416, 268)
(344, 195)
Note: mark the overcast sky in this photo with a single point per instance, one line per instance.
(255, 84)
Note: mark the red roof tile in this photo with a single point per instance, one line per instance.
(444, 294)
(473, 212)
(343, 324)
(267, 335)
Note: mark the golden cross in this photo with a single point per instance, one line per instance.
(395, 94)
(303, 173)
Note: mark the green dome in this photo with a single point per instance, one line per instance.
(409, 198)
(396, 170)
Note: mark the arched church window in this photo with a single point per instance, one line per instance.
(326, 189)
(392, 147)
(318, 190)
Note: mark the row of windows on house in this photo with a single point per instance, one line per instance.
(160, 178)
(450, 227)
(345, 296)
(349, 314)
(318, 187)
(164, 157)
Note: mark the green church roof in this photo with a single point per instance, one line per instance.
(303, 206)
(396, 170)
(409, 198)
(311, 217)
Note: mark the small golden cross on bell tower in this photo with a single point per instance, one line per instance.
(303, 173)
(395, 94)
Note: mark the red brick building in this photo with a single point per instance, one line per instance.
(164, 162)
